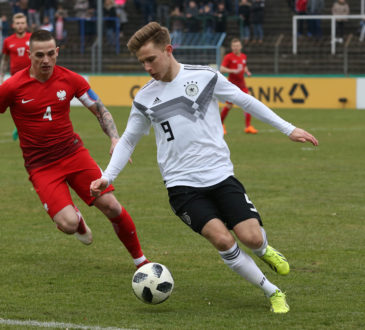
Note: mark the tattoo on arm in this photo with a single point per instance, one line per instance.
(106, 120)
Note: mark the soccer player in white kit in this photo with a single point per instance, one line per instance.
(181, 103)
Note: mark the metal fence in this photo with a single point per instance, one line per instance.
(198, 48)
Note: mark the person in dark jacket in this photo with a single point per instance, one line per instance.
(257, 18)
(244, 10)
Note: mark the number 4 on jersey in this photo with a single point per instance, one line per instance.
(48, 114)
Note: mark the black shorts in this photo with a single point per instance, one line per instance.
(226, 201)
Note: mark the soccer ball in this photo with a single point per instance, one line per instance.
(152, 283)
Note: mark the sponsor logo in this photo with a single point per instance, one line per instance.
(298, 93)
(185, 217)
(157, 100)
(26, 101)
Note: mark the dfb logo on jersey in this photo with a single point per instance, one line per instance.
(61, 95)
(191, 88)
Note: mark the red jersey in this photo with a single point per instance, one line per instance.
(41, 113)
(232, 61)
(17, 49)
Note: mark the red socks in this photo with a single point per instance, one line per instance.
(248, 119)
(126, 231)
(81, 229)
(224, 113)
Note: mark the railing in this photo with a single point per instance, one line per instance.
(204, 22)
(200, 41)
(332, 18)
(345, 55)
(276, 53)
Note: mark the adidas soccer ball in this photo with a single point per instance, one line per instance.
(152, 283)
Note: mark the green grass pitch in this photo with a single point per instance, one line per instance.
(312, 202)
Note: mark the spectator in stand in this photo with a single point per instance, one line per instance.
(110, 27)
(90, 24)
(80, 8)
(191, 12)
(50, 7)
(207, 13)
(301, 9)
(61, 33)
(178, 3)
(257, 17)
(34, 8)
(340, 7)
(46, 25)
(177, 25)
(315, 7)
(85, 9)
(149, 10)
(4, 26)
(229, 6)
(163, 11)
(121, 14)
(221, 18)
(15, 8)
(23, 6)
(244, 11)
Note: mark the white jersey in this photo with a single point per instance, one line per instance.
(184, 113)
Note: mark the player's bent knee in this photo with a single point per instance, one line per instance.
(67, 223)
(256, 241)
(222, 241)
(253, 241)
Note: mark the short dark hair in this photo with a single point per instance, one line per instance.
(152, 32)
(41, 35)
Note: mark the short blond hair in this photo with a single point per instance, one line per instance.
(19, 15)
(235, 40)
(152, 32)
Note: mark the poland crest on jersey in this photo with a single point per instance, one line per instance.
(61, 94)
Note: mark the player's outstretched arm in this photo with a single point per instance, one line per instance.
(300, 135)
(97, 186)
(106, 122)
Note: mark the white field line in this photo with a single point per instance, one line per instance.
(58, 325)
(269, 130)
(318, 129)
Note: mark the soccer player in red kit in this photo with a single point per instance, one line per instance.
(39, 99)
(235, 65)
(16, 48)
